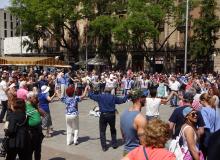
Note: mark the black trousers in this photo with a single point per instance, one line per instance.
(12, 153)
(104, 120)
(36, 138)
(4, 109)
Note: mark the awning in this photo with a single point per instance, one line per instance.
(40, 61)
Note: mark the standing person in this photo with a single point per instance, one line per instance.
(211, 118)
(3, 97)
(22, 91)
(128, 84)
(177, 119)
(34, 125)
(44, 100)
(72, 114)
(132, 122)
(152, 105)
(189, 135)
(156, 134)
(174, 86)
(62, 81)
(18, 143)
(107, 102)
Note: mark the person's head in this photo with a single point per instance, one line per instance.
(190, 115)
(32, 98)
(18, 105)
(137, 96)
(188, 97)
(108, 90)
(22, 84)
(153, 92)
(12, 87)
(207, 100)
(70, 91)
(213, 91)
(156, 134)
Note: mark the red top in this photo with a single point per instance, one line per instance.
(152, 153)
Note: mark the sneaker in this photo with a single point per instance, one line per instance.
(76, 143)
(114, 146)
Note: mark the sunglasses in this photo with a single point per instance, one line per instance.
(194, 114)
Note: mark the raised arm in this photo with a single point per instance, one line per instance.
(85, 92)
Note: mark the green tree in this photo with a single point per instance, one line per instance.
(204, 31)
(58, 18)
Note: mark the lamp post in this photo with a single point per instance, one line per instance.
(186, 36)
(21, 35)
(86, 30)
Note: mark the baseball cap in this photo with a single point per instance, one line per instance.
(137, 93)
(186, 111)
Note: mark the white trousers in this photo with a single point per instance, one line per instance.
(72, 127)
(63, 90)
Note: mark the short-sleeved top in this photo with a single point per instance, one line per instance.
(71, 104)
(152, 106)
(178, 119)
(43, 102)
(34, 118)
(3, 87)
(152, 153)
(211, 118)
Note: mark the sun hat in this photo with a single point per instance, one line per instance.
(186, 111)
(45, 89)
(137, 93)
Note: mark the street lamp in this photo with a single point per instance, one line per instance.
(186, 36)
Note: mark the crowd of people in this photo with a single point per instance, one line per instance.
(25, 97)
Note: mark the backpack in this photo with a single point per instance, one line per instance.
(176, 148)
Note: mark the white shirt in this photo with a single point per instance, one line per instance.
(174, 86)
(145, 83)
(110, 83)
(152, 106)
(3, 87)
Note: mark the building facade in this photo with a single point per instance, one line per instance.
(8, 27)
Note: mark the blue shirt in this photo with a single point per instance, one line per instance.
(71, 104)
(211, 118)
(43, 102)
(106, 101)
(61, 80)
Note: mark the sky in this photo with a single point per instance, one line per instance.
(4, 3)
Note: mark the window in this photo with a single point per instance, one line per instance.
(11, 17)
(5, 16)
(5, 24)
(12, 34)
(12, 25)
(5, 33)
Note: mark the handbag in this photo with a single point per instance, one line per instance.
(145, 153)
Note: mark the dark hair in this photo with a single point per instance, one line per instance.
(19, 104)
(153, 92)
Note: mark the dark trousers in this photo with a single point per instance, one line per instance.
(12, 153)
(36, 138)
(4, 109)
(104, 120)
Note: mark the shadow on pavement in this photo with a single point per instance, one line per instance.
(56, 133)
(83, 139)
(57, 158)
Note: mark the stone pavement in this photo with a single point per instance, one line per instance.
(89, 148)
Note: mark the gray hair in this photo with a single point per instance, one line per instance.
(31, 94)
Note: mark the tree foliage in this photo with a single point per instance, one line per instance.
(205, 29)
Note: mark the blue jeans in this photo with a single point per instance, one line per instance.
(173, 101)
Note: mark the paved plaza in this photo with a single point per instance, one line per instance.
(89, 148)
